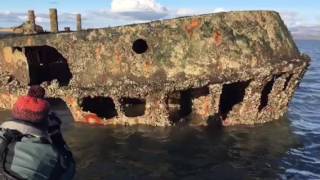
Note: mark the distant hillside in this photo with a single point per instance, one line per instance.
(3, 34)
(306, 32)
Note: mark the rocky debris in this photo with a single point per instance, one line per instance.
(26, 28)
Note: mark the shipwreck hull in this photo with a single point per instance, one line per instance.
(237, 67)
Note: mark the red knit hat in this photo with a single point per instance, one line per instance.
(31, 109)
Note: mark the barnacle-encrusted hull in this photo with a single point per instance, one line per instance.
(237, 67)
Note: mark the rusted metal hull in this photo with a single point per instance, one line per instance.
(236, 68)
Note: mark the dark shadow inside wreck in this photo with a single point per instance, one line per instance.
(231, 95)
(287, 82)
(173, 105)
(185, 103)
(180, 103)
(265, 94)
(46, 64)
(133, 107)
(103, 107)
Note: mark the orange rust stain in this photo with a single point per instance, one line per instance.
(191, 27)
(118, 57)
(268, 109)
(147, 66)
(203, 107)
(206, 108)
(71, 101)
(93, 119)
(29, 42)
(217, 36)
(195, 23)
(227, 122)
(98, 53)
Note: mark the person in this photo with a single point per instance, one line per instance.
(31, 144)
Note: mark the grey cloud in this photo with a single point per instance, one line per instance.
(299, 26)
(144, 15)
(306, 32)
(139, 9)
(130, 15)
(11, 18)
(290, 18)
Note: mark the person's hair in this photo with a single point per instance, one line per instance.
(36, 91)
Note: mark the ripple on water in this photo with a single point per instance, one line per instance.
(304, 114)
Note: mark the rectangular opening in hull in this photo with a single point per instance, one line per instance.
(231, 95)
(180, 102)
(103, 107)
(287, 82)
(133, 107)
(185, 103)
(46, 64)
(265, 94)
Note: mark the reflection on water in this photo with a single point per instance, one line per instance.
(304, 162)
(288, 148)
(184, 152)
(177, 152)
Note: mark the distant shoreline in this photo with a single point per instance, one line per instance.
(306, 39)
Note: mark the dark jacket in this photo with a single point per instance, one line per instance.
(34, 154)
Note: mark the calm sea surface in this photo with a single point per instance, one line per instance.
(285, 149)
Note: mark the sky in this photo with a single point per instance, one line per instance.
(300, 16)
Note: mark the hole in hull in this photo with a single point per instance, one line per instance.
(265, 94)
(198, 92)
(287, 82)
(180, 102)
(185, 103)
(103, 107)
(140, 46)
(231, 95)
(133, 107)
(173, 102)
(46, 64)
